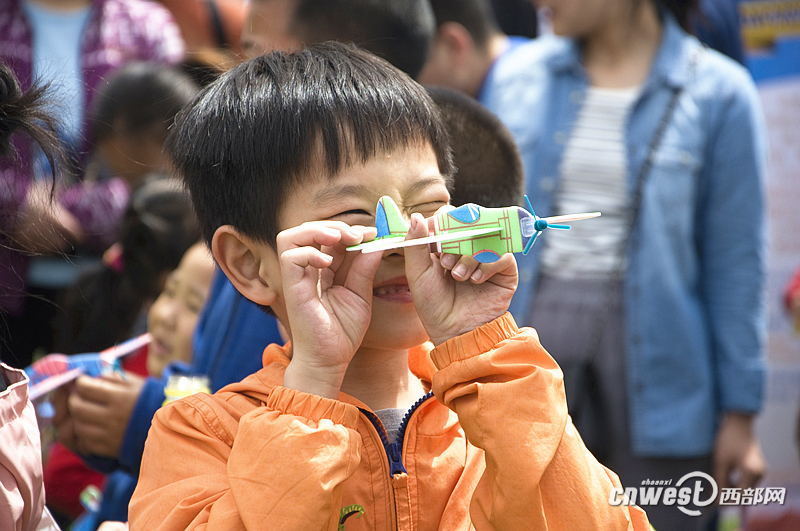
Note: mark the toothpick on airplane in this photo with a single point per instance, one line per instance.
(486, 234)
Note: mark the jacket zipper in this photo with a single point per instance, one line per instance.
(394, 450)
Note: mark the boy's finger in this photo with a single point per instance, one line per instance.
(507, 265)
(418, 257)
(448, 260)
(295, 261)
(315, 233)
(464, 268)
(361, 274)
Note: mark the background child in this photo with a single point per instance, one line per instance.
(171, 322)
(488, 168)
(128, 120)
(302, 438)
(130, 117)
(108, 303)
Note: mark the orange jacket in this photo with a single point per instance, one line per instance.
(257, 455)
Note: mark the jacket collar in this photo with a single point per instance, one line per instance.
(669, 66)
(276, 358)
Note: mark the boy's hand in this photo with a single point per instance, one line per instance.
(452, 303)
(329, 307)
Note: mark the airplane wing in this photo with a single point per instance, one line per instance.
(396, 243)
(571, 217)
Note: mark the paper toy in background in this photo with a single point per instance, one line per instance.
(55, 370)
(486, 234)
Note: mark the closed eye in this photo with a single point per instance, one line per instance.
(429, 208)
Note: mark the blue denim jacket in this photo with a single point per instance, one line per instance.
(694, 311)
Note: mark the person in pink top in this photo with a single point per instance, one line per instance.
(21, 487)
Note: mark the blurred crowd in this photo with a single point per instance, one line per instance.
(655, 312)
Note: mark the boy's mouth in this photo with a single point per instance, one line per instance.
(393, 290)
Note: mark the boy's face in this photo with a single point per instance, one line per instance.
(411, 177)
(173, 316)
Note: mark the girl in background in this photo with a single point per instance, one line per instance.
(108, 303)
(171, 322)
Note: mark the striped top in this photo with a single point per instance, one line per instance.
(593, 177)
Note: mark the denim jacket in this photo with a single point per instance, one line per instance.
(693, 288)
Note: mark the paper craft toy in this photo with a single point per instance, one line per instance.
(55, 370)
(486, 234)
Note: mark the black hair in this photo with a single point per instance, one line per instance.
(284, 117)
(488, 164)
(516, 17)
(24, 111)
(682, 10)
(205, 66)
(475, 15)
(105, 303)
(140, 95)
(399, 31)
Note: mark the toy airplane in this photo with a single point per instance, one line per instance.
(55, 370)
(486, 234)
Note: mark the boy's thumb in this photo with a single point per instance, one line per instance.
(417, 257)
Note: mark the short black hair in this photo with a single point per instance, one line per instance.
(475, 15)
(488, 164)
(282, 118)
(399, 31)
(141, 95)
(516, 17)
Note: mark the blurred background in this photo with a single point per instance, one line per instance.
(83, 273)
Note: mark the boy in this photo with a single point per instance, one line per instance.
(285, 157)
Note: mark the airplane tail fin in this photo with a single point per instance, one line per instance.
(388, 219)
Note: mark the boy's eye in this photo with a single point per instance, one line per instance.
(355, 211)
(428, 209)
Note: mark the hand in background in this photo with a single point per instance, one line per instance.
(451, 303)
(92, 417)
(738, 461)
(329, 307)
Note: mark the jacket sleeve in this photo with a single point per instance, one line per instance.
(285, 466)
(509, 396)
(731, 243)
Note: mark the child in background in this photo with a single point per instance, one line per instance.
(171, 322)
(130, 118)
(488, 167)
(108, 303)
(302, 443)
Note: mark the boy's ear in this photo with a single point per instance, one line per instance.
(243, 260)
